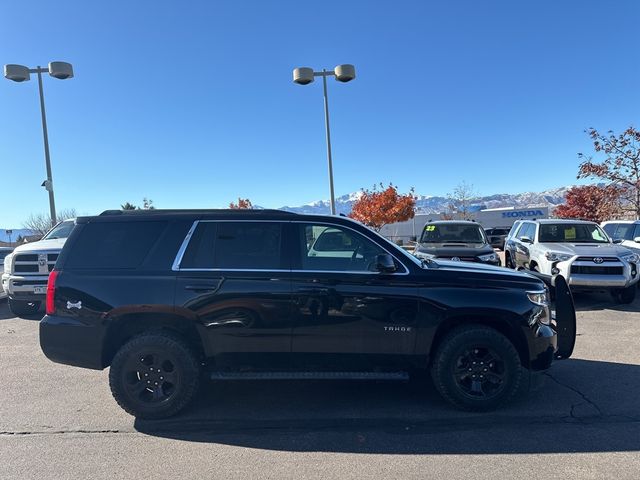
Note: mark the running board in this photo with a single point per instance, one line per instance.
(309, 376)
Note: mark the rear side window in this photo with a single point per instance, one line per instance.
(114, 245)
(234, 245)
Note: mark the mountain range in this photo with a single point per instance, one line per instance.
(433, 204)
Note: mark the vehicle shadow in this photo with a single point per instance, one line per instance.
(392, 418)
(602, 300)
(6, 314)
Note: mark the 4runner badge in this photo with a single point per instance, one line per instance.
(77, 305)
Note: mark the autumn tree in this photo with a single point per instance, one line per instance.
(40, 223)
(460, 201)
(243, 203)
(619, 166)
(377, 208)
(147, 204)
(590, 202)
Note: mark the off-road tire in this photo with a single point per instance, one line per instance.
(162, 344)
(465, 338)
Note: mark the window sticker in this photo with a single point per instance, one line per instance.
(430, 228)
(570, 233)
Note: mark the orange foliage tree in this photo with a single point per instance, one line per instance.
(376, 208)
(244, 203)
(620, 165)
(590, 202)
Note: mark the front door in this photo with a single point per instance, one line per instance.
(347, 316)
(235, 281)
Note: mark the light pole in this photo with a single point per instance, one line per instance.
(343, 73)
(20, 73)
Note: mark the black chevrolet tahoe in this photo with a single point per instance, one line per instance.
(164, 298)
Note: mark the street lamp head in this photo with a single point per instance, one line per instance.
(345, 73)
(17, 73)
(303, 75)
(61, 70)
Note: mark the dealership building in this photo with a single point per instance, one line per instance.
(487, 218)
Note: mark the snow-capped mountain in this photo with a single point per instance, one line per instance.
(431, 204)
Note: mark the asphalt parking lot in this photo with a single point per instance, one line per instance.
(584, 422)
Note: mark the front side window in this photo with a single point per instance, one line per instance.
(234, 245)
(621, 231)
(333, 248)
(526, 230)
(572, 233)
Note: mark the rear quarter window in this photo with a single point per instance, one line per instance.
(114, 245)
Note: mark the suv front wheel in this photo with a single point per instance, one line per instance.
(21, 308)
(476, 368)
(624, 295)
(154, 375)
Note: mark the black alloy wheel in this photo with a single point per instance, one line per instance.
(476, 368)
(154, 375)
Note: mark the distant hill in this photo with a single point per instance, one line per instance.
(429, 204)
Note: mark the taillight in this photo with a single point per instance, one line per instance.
(51, 293)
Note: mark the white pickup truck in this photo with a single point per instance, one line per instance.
(26, 269)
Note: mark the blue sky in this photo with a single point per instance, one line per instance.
(191, 103)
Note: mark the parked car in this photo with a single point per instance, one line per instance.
(4, 251)
(27, 268)
(578, 250)
(456, 240)
(497, 236)
(626, 232)
(162, 296)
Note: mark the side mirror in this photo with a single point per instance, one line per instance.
(637, 239)
(617, 240)
(385, 263)
(526, 240)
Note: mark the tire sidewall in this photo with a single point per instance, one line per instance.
(453, 346)
(186, 368)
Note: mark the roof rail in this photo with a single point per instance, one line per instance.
(227, 211)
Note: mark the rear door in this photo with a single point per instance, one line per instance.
(234, 279)
(347, 316)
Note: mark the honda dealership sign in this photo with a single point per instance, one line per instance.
(523, 214)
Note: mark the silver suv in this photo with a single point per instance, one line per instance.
(578, 250)
(26, 270)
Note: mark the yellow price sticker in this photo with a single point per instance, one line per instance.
(430, 228)
(570, 233)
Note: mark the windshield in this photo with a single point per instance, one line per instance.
(452, 233)
(62, 230)
(571, 233)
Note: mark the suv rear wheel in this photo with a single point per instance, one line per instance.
(476, 368)
(154, 375)
(20, 307)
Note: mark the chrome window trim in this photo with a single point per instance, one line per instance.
(185, 243)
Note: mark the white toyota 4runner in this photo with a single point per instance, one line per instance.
(578, 250)
(26, 269)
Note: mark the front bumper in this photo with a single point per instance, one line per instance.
(71, 342)
(22, 287)
(629, 276)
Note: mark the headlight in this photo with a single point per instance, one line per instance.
(541, 313)
(557, 257)
(489, 257)
(539, 297)
(7, 263)
(629, 257)
(424, 255)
